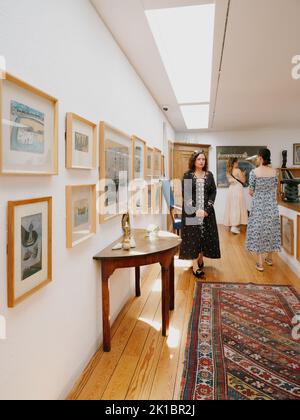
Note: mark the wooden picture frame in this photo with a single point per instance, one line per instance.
(28, 129)
(157, 154)
(81, 213)
(29, 248)
(139, 161)
(296, 154)
(81, 143)
(298, 238)
(163, 166)
(287, 235)
(115, 161)
(149, 168)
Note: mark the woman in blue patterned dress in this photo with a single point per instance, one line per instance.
(263, 234)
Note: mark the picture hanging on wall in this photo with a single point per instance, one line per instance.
(150, 151)
(115, 171)
(81, 143)
(138, 191)
(29, 260)
(287, 234)
(140, 157)
(246, 156)
(28, 129)
(81, 213)
(297, 154)
(157, 163)
(163, 166)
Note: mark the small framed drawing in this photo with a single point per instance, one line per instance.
(28, 129)
(150, 151)
(140, 158)
(287, 234)
(29, 257)
(297, 154)
(157, 163)
(81, 213)
(81, 143)
(298, 238)
(116, 169)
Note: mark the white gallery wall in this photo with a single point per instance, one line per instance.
(276, 139)
(63, 48)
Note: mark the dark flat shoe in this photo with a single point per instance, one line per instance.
(199, 274)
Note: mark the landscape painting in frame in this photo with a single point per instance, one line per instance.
(28, 130)
(246, 156)
(81, 213)
(29, 256)
(81, 143)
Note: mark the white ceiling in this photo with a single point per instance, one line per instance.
(255, 88)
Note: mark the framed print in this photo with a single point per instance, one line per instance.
(28, 129)
(81, 143)
(287, 234)
(163, 166)
(297, 154)
(115, 171)
(29, 263)
(149, 162)
(157, 198)
(298, 238)
(139, 158)
(246, 156)
(81, 213)
(157, 163)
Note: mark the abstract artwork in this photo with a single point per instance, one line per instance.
(29, 258)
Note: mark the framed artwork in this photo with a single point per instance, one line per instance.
(28, 129)
(287, 234)
(157, 163)
(297, 154)
(81, 213)
(139, 158)
(81, 143)
(246, 156)
(150, 162)
(157, 198)
(116, 169)
(163, 166)
(298, 238)
(29, 257)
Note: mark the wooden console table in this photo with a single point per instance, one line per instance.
(148, 251)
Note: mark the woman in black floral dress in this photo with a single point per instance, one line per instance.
(200, 237)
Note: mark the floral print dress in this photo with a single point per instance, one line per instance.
(263, 234)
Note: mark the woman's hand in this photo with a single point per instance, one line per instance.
(201, 214)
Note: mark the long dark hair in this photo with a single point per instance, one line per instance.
(266, 155)
(194, 157)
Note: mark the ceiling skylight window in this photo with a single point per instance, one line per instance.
(184, 37)
(195, 116)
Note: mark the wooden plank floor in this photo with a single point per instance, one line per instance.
(143, 364)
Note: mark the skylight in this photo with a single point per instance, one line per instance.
(184, 37)
(195, 116)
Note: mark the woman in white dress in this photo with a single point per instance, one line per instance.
(236, 213)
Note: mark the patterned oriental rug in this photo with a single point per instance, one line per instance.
(243, 344)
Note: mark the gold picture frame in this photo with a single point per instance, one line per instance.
(81, 143)
(28, 129)
(29, 248)
(115, 161)
(287, 235)
(81, 213)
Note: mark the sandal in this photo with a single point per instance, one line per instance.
(269, 262)
(259, 267)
